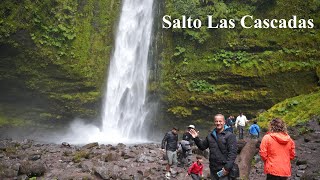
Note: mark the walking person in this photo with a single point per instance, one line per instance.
(186, 145)
(276, 150)
(254, 130)
(196, 169)
(230, 122)
(170, 143)
(240, 124)
(223, 148)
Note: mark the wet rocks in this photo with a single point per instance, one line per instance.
(32, 169)
(21, 160)
(90, 145)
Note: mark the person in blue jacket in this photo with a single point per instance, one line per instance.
(254, 130)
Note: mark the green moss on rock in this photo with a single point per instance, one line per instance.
(294, 110)
(58, 50)
(248, 69)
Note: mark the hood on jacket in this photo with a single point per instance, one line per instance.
(281, 138)
(225, 128)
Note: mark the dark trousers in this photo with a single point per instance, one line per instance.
(272, 177)
(214, 176)
(241, 129)
(195, 176)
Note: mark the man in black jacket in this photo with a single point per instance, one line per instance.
(170, 142)
(223, 149)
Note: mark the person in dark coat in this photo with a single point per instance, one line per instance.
(230, 122)
(223, 148)
(170, 143)
(186, 145)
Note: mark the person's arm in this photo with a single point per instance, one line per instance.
(232, 149)
(237, 121)
(201, 144)
(164, 140)
(191, 141)
(190, 169)
(177, 139)
(201, 170)
(264, 148)
(292, 150)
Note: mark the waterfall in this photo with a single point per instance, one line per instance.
(124, 106)
(124, 109)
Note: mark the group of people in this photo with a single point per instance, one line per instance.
(240, 123)
(171, 144)
(276, 149)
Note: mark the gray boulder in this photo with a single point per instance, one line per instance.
(32, 168)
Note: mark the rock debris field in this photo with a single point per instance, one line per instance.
(26, 159)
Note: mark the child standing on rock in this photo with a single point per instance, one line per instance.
(195, 170)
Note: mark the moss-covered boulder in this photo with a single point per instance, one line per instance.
(54, 57)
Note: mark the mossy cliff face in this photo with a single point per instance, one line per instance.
(208, 71)
(54, 56)
(296, 110)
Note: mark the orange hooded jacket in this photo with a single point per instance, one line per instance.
(276, 151)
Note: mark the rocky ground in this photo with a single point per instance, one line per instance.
(28, 159)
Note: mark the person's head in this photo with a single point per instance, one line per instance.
(175, 130)
(255, 122)
(199, 159)
(241, 113)
(219, 121)
(277, 125)
(191, 127)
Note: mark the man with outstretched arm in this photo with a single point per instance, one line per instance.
(223, 148)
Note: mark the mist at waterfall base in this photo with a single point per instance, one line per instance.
(125, 106)
(81, 132)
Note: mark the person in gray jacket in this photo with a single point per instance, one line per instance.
(170, 143)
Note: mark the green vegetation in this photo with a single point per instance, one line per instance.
(180, 111)
(232, 70)
(294, 110)
(79, 155)
(54, 57)
(57, 50)
(10, 121)
(200, 86)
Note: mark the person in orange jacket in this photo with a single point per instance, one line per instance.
(276, 150)
(195, 170)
